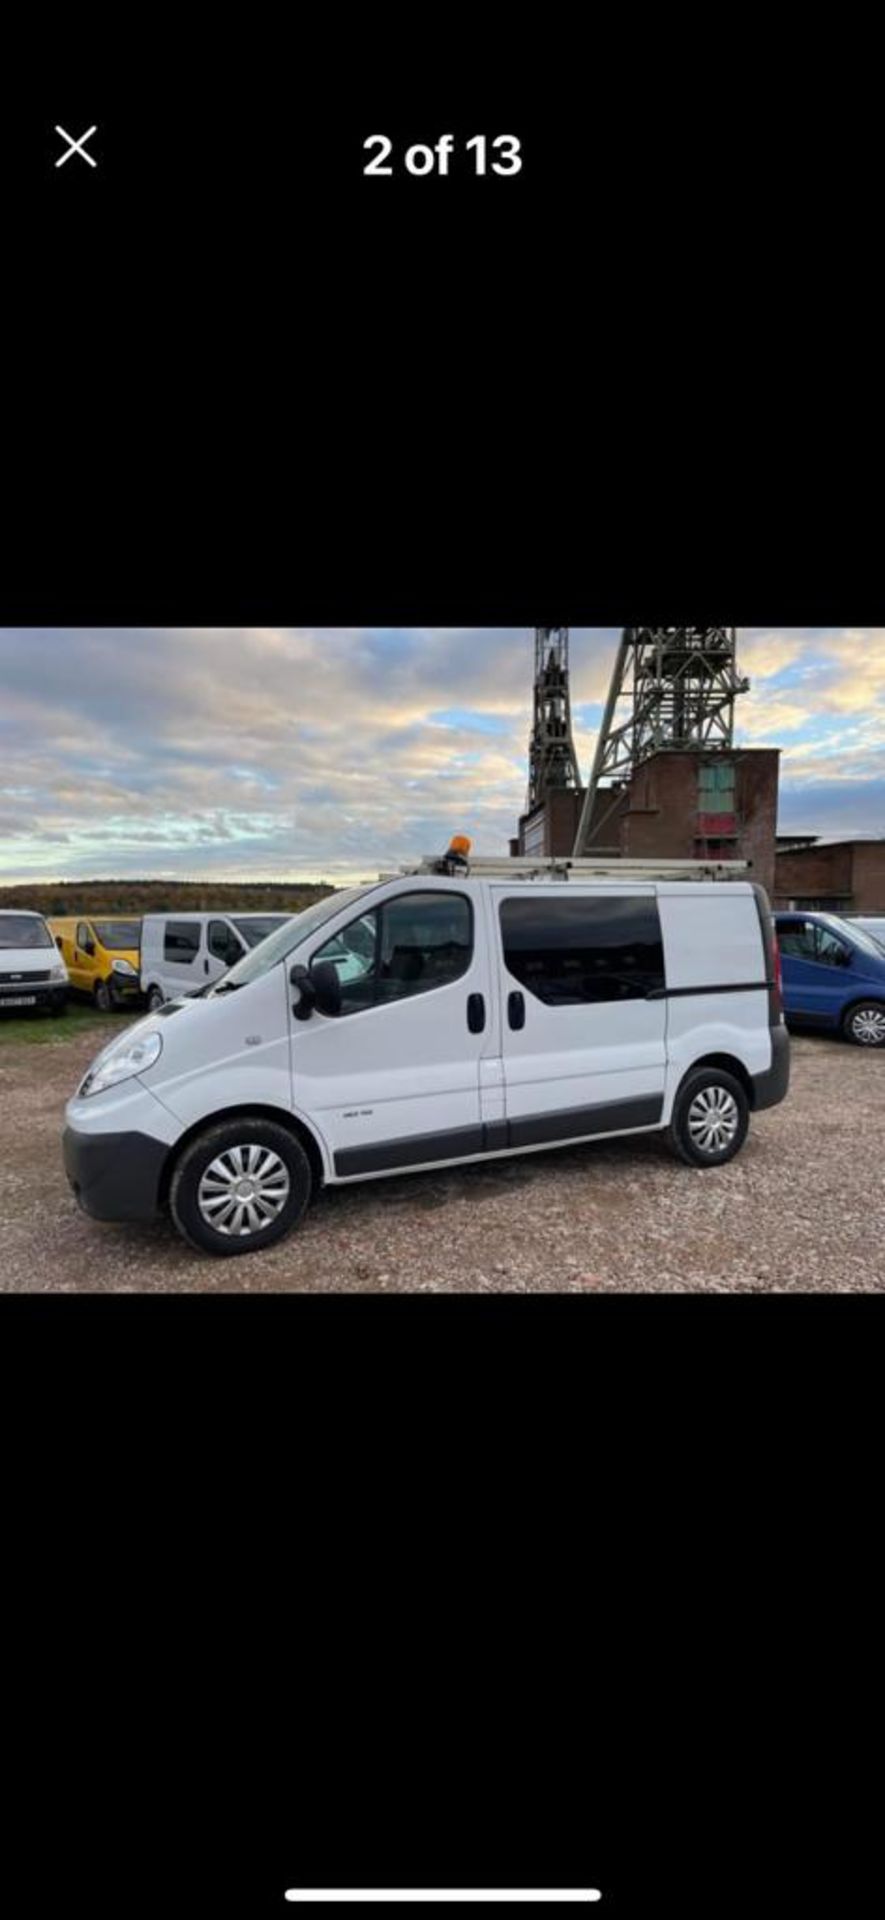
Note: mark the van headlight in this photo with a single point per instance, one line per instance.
(122, 1062)
(59, 971)
(123, 966)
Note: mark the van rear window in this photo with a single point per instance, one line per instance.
(572, 952)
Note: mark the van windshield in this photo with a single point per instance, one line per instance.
(280, 944)
(857, 934)
(118, 934)
(24, 930)
(258, 927)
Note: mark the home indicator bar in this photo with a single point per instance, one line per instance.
(442, 1896)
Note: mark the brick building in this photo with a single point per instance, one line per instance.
(839, 876)
(551, 827)
(676, 806)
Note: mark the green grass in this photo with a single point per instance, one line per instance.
(35, 1029)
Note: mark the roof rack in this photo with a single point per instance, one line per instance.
(544, 867)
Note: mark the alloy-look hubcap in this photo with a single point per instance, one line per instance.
(868, 1026)
(244, 1190)
(713, 1119)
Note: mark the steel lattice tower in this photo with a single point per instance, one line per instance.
(553, 761)
(681, 684)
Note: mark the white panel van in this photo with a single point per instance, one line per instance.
(32, 971)
(184, 953)
(431, 1019)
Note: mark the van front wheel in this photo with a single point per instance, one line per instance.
(240, 1186)
(710, 1118)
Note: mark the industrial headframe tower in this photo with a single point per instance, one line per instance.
(553, 761)
(681, 684)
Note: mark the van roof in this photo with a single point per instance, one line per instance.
(534, 867)
(207, 913)
(638, 882)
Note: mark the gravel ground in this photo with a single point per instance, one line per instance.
(802, 1208)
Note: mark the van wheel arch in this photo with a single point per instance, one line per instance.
(728, 1064)
(280, 1118)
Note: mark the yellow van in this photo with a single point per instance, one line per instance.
(102, 958)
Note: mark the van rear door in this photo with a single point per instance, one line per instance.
(583, 1044)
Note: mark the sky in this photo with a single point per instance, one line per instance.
(329, 753)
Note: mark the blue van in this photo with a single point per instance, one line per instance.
(833, 976)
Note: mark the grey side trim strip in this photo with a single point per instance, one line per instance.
(455, 1143)
(614, 1116)
(569, 1123)
(684, 993)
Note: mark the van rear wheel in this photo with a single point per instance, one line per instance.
(240, 1186)
(154, 999)
(865, 1025)
(710, 1118)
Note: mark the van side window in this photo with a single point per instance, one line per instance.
(828, 950)
(412, 944)
(181, 940)
(805, 940)
(569, 952)
(83, 936)
(224, 943)
(353, 954)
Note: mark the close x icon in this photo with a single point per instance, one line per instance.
(75, 146)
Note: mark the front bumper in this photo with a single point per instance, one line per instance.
(40, 993)
(115, 1176)
(122, 988)
(771, 1087)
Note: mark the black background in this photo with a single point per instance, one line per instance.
(436, 1591)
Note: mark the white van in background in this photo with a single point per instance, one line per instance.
(183, 953)
(429, 1019)
(32, 971)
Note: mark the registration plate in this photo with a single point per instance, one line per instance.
(18, 1000)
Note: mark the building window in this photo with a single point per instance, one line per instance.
(716, 802)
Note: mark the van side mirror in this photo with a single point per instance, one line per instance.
(90, 948)
(327, 988)
(306, 1001)
(59, 941)
(319, 988)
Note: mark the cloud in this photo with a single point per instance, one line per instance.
(326, 753)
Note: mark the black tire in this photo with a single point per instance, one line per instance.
(685, 1134)
(216, 1144)
(102, 996)
(864, 1024)
(154, 999)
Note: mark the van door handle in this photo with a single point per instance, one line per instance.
(476, 1012)
(205, 966)
(515, 1011)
